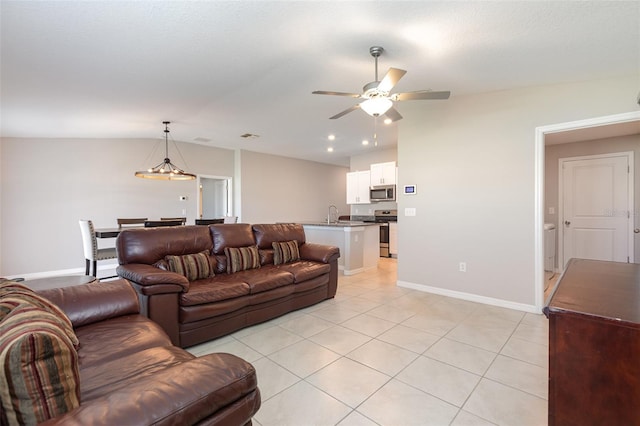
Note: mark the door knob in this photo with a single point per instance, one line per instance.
(637, 230)
(567, 223)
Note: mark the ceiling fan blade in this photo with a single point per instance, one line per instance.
(421, 94)
(345, 112)
(390, 79)
(323, 92)
(393, 114)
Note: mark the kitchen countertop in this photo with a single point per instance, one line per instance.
(340, 223)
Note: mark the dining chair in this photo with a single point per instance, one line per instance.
(230, 219)
(157, 223)
(208, 221)
(183, 219)
(91, 251)
(131, 221)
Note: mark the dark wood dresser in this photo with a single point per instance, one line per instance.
(594, 345)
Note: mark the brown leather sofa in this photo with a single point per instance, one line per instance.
(195, 311)
(131, 373)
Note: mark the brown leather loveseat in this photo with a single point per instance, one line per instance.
(113, 367)
(202, 282)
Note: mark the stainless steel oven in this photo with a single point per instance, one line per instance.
(383, 217)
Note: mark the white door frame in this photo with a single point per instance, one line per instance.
(630, 200)
(229, 180)
(538, 202)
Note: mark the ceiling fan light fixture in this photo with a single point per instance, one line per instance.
(165, 170)
(376, 106)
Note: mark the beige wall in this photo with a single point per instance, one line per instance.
(364, 161)
(553, 153)
(47, 185)
(277, 189)
(473, 160)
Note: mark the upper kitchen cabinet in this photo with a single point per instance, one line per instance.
(358, 187)
(383, 173)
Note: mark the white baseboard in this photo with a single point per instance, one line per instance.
(354, 271)
(470, 297)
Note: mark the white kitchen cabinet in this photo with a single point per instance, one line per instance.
(383, 173)
(393, 239)
(358, 187)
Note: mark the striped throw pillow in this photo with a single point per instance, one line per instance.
(193, 266)
(242, 258)
(18, 296)
(41, 366)
(285, 252)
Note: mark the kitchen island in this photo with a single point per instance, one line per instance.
(359, 242)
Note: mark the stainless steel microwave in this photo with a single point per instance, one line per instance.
(382, 193)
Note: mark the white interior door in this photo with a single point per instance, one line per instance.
(214, 197)
(596, 198)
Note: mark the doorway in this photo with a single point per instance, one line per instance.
(595, 200)
(539, 168)
(214, 197)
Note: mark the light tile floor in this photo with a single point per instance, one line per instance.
(379, 354)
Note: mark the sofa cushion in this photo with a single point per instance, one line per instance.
(211, 312)
(108, 377)
(242, 258)
(267, 234)
(222, 287)
(117, 337)
(266, 256)
(285, 252)
(42, 364)
(193, 266)
(231, 235)
(268, 278)
(305, 270)
(149, 245)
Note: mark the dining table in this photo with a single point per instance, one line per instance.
(112, 232)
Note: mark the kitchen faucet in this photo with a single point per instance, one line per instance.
(329, 214)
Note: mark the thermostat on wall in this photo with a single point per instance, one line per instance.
(409, 190)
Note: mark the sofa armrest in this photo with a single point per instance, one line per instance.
(319, 252)
(97, 301)
(153, 280)
(183, 394)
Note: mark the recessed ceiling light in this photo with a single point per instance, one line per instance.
(249, 136)
(332, 137)
(387, 121)
(365, 142)
(199, 139)
(330, 149)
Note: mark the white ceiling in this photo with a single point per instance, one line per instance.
(219, 69)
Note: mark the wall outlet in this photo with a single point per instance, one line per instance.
(463, 267)
(552, 210)
(184, 212)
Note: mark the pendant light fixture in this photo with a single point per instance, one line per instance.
(166, 170)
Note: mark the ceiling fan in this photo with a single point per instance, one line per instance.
(377, 99)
